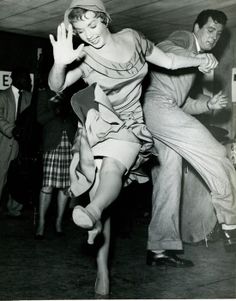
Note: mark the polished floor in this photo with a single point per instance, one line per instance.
(64, 268)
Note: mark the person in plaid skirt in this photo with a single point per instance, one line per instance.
(59, 123)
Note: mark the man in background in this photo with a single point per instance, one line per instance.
(12, 102)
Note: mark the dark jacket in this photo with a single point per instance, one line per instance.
(55, 118)
(8, 145)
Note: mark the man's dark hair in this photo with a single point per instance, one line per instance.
(216, 15)
(19, 73)
(21, 79)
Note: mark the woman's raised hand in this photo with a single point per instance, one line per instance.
(63, 51)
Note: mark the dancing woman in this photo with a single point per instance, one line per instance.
(112, 138)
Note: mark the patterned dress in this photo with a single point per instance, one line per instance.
(111, 115)
(56, 164)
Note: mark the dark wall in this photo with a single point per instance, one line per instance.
(21, 51)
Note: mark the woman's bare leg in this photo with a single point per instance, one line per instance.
(61, 205)
(98, 226)
(110, 183)
(102, 280)
(44, 202)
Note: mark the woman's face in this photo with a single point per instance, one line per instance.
(91, 30)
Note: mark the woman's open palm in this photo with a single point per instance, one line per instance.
(63, 51)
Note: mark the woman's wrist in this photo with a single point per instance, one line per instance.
(202, 60)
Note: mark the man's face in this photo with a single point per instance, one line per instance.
(209, 34)
(22, 82)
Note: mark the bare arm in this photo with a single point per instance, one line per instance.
(57, 76)
(59, 79)
(64, 54)
(205, 62)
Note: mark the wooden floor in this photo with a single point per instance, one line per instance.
(63, 268)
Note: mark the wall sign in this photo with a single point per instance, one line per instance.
(5, 79)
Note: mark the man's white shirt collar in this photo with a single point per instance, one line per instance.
(16, 95)
(197, 44)
(15, 90)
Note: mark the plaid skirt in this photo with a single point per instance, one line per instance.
(56, 165)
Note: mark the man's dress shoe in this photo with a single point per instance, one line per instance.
(167, 258)
(230, 240)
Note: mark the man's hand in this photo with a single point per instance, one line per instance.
(218, 101)
(63, 51)
(209, 62)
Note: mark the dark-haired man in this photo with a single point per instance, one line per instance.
(10, 104)
(168, 111)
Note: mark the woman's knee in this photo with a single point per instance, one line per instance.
(47, 189)
(111, 165)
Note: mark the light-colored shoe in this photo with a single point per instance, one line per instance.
(86, 217)
(83, 218)
(92, 234)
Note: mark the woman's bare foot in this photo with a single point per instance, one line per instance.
(39, 234)
(102, 285)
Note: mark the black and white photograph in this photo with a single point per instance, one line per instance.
(117, 149)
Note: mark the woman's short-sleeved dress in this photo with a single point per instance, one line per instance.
(111, 117)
